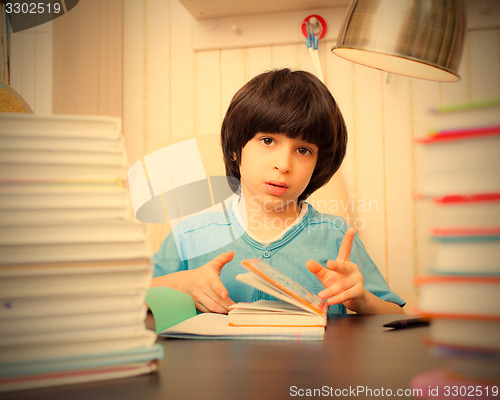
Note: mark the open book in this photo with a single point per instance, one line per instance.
(176, 317)
(296, 306)
(215, 326)
(298, 315)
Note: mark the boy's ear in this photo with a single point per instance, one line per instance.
(234, 158)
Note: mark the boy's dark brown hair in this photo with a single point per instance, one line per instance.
(295, 103)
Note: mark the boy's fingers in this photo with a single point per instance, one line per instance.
(317, 269)
(341, 268)
(222, 305)
(346, 246)
(218, 288)
(222, 259)
(214, 303)
(334, 295)
(218, 291)
(207, 304)
(340, 285)
(342, 297)
(201, 307)
(226, 303)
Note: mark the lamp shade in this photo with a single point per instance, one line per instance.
(417, 38)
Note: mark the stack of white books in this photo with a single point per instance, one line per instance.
(461, 292)
(74, 263)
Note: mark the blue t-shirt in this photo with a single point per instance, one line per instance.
(197, 240)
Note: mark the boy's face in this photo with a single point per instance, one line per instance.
(276, 169)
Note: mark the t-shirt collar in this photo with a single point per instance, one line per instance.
(239, 210)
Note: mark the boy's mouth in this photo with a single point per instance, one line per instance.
(276, 188)
(278, 184)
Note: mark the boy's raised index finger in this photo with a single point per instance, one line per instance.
(221, 260)
(346, 246)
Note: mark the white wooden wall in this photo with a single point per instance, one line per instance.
(31, 66)
(172, 93)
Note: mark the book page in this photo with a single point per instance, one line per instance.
(262, 284)
(285, 283)
(270, 306)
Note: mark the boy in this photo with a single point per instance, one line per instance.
(283, 137)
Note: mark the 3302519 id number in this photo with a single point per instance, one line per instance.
(29, 7)
(471, 391)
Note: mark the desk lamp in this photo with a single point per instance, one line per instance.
(417, 38)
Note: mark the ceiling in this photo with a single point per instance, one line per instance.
(204, 9)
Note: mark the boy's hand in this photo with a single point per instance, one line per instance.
(203, 284)
(341, 278)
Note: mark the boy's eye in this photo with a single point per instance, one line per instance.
(304, 151)
(267, 141)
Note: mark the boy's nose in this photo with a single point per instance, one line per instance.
(283, 163)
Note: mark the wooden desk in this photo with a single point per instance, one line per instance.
(357, 352)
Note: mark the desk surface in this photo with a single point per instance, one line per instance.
(356, 351)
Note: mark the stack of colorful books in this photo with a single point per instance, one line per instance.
(460, 293)
(74, 264)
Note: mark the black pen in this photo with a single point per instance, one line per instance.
(407, 323)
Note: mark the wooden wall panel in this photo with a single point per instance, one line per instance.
(484, 64)
(182, 69)
(233, 77)
(31, 65)
(208, 92)
(135, 90)
(370, 184)
(88, 59)
(452, 92)
(158, 73)
(425, 95)
(285, 56)
(258, 60)
(400, 212)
